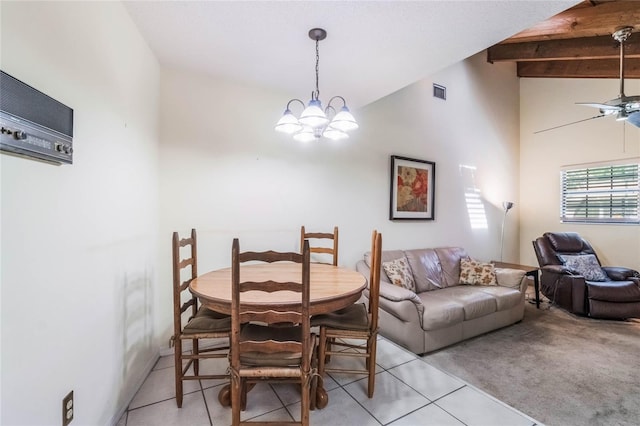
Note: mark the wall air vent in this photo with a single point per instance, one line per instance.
(439, 91)
(34, 125)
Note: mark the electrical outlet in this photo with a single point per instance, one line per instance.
(67, 409)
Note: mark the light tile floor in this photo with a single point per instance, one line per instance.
(408, 391)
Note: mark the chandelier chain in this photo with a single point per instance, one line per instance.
(315, 122)
(317, 94)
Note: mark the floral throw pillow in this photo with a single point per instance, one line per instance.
(477, 273)
(399, 273)
(584, 264)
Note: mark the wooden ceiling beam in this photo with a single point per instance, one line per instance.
(604, 47)
(600, 68)
(588, 19)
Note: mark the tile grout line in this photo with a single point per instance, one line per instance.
(206, 406)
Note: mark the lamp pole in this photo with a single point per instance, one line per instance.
(506, 205)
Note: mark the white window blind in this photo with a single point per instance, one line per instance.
(601, 194)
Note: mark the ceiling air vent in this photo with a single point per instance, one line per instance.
(439, 91)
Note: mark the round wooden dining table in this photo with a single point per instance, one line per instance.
(331, 287)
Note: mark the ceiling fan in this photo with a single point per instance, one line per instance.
(625, 108)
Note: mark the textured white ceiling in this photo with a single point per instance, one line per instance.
(373, 48)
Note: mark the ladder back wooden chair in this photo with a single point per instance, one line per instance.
(318, 247)
(271, 342)
(340, 331)
(200, 322)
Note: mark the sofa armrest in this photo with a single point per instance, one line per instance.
(396, 293)
(619, 273)
(512, 278)
(397, 301)
(400, 302)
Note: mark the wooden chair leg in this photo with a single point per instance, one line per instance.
(313, 385)
(177, 356)
(372, 364)
(196, 361)
(330, 341)
(322, 348)
(236, 400)
(305, 401)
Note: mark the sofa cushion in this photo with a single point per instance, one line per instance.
(584, 264)
(425, 266)
(450, 264)
(506, 298)
(399, 273)
(387, 256)
(440, 312)
(475, 272)
(475, 303)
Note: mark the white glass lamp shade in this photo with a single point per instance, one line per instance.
(634, 118)
(344, 121)
(334, 134)
(622, 115)
(313, 116)
(288, 123)
(305, 135)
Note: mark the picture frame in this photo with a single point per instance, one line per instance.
(412, 189)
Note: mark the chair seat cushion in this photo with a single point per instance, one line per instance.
(262, 333)
(614, 291)
(208, 321)
(354, 317)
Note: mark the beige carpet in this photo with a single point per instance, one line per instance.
(556, 367)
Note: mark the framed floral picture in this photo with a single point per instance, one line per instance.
(412, 189)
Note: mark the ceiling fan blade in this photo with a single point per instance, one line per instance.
(574, 122)
(603, 107)
(634, 118)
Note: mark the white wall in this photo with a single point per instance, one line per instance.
(79, 241)
(545, 103)
(226, 171)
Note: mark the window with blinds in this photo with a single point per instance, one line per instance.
(601, 194)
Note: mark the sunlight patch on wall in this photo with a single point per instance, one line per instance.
(473, 198)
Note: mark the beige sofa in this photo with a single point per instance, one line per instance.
(442, 311)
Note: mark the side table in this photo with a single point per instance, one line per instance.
(531, 271)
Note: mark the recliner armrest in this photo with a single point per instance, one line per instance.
(620, 273)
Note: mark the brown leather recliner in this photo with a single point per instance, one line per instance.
(617, 296)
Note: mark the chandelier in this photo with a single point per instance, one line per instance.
(315, 122)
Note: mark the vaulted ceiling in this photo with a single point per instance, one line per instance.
(576, 43)
(373, 48)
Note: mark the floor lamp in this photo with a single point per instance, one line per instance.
(506, 205)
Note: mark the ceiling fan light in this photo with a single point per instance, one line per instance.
(288, 123)
(313, 115)
(344, 120)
